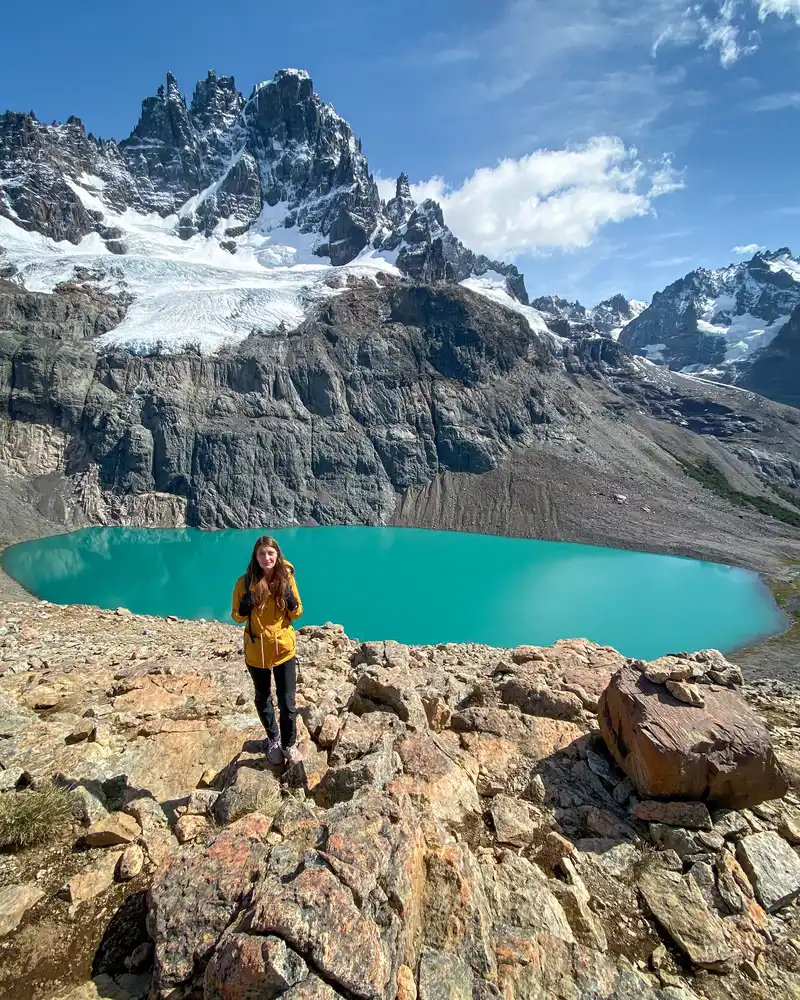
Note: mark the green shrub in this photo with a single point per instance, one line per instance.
(784, 492)
(713, 478)
(33, 815)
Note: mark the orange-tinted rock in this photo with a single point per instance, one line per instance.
(720, 753)
(315, 914)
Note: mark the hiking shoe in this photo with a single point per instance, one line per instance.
(292, 755)
(274, 751)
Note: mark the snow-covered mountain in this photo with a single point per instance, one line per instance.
(574, 321)
(220, 217)
(611, 316)
(712, 322)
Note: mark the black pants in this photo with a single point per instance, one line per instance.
(285, 683)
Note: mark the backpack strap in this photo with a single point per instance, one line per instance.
(247, 628)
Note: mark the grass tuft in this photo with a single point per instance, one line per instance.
(268, 800)
(31, 816)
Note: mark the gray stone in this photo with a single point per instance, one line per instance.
(373, 770)
(443, 976)
(677, 904)
(730, 824)
(251, 790)
(528, 691)
(615, 857)
(9, 778)
(683, 842)
(772, 867)
(148, 814)
(394, 687)
(130, 863)
(201, 802)
(575, 899)
(703, 876)
(115, 828)
(623, 791)
(693, 815)
(87, 808)
(711, 839)
(15, 901)
(732, 883)
(520, 896)
(512, 821)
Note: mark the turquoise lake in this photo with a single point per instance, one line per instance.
(416, 586)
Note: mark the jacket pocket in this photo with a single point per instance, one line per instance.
(284, 644)
(252, 650)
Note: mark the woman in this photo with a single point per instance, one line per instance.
(266, 597)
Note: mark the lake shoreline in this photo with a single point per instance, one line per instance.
(775, 656)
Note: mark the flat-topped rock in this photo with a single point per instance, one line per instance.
(720, 753)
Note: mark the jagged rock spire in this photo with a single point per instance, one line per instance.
(402, 205)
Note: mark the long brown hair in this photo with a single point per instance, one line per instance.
(277, 585)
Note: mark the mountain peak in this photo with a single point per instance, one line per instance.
(712, 319)
(242, 174)
(400, 208)
(296, 81)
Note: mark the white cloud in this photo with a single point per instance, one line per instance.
(775, 102)
(720, 25)
(387, 186)
(748, 250)
(665, 179)
(783, 8)
(550, 199)
(721, 33)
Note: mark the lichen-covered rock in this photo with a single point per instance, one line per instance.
(317, 916)
(193, 900)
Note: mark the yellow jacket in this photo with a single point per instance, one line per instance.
(269, 637)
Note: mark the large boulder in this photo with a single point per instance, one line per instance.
(719, 752)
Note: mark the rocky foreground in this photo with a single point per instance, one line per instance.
(468, 823)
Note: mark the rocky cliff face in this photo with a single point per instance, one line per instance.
(394, 403)
(379, 392)
(772, 371)
(221, 166)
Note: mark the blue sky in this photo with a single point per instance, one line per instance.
(605, 145)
